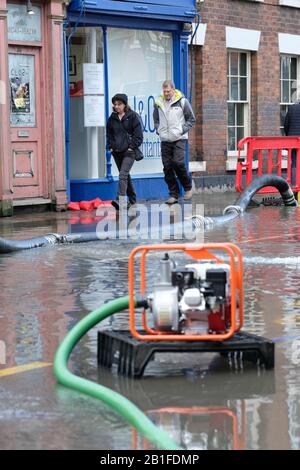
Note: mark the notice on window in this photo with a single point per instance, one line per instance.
(94, 111)
(22, 90)
(93, 82)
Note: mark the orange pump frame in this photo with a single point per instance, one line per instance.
(238, 429)
(198, 252)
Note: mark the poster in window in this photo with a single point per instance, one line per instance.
(20, 95)
(94, 111)
(22, 92)
(93, 79)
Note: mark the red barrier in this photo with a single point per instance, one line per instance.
(264, 155)
(88, 206)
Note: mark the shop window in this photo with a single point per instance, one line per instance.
(138, 63)
(289, 72)
(238, 78)
(87, 109)
(22, 90)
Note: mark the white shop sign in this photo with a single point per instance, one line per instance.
(94, 111)
(93, 82)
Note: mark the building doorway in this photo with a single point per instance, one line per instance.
(26, 122)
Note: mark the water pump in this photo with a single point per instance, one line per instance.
(192, 299)
(201, 299)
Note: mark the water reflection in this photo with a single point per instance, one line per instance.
(44, 292)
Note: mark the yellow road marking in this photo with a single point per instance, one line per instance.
(24, 368)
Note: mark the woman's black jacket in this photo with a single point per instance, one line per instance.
(124, 134)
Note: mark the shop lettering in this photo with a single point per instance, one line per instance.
(29, 31)
(22, 27)
(151, 149)
(145, 110)
(151, 145)
(17, 73)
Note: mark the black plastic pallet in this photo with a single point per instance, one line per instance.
(126, 355)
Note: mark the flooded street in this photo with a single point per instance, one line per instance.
(202, 400)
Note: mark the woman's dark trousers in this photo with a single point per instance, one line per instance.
(124, 162)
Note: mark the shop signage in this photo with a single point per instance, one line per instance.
(21, 26)
(93, 88)
(93, 83)
(94, 111)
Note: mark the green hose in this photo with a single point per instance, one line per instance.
(117, 402)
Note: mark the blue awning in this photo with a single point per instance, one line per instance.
(171, 10)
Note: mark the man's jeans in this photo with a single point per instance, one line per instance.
(173, 158)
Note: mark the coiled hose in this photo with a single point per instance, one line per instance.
(198, 222)
(117, 402)
(241, 204)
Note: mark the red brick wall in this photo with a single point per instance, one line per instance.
(209, 139)
(195, 138)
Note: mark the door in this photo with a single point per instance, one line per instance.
(25, 122)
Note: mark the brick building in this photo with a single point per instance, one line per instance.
(246, 73)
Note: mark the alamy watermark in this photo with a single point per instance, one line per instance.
(2, 353)
(150, 222)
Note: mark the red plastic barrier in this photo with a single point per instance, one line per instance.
(73, 206)
(88, 206)
(264, 155)
(97, 202)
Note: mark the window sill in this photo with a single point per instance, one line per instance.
(197, 167)
(289, 3)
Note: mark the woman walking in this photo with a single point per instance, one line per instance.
(124, 135)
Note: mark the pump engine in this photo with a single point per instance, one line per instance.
(193, 299)
(202, 299)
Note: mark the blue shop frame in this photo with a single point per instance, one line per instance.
(159, 15)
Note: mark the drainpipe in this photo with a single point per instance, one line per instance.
(106, 88)
(67, 113)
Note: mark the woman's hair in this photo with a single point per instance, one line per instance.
(127, 108)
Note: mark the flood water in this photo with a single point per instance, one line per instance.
(203, 401)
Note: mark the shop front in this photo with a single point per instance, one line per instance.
(119, 47)
(32, 150)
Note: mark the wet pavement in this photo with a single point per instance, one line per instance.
(203, 401)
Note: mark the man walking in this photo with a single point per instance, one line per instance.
(173, 118)
(292, 127)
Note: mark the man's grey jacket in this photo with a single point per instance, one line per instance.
(173, 121)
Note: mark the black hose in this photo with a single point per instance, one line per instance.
(267, 180)
(198, 222)
(7, 246)
(241, 204)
